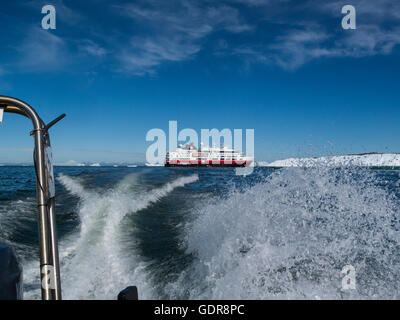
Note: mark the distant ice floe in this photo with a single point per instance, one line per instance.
(95, 165)
(73, 163)
(362, 160)
(154, 165)
(70, 163)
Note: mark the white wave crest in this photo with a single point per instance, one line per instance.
(290, 236)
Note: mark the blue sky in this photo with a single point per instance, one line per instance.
(284, 68)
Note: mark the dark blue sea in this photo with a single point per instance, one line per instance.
(210, 234)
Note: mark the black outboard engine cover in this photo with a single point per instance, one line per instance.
(129, 293)
(11, 287)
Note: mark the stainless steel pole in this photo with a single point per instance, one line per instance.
(49, 261)
(43, 219)
(54, 240)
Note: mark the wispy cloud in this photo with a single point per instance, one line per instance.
(91, 48)
(42, 51)
(298, 47)
(144, 54)
(176, 30)
(46, 51)
(369, 40)
(305, 40)
(252, 2)
(142, 36)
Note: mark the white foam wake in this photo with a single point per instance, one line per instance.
(290, 236)
(96, 264)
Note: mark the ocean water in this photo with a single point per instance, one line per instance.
(209, 234)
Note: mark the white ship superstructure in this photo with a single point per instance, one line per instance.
(189, 155)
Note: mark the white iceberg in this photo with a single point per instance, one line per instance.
(95, 165)
(361, 160)
(70, 163)
(154, 165)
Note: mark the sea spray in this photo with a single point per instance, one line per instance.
(289, 237)
(275, 234)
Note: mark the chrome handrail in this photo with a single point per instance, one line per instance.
(48, 243)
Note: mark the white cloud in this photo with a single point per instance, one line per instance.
(92, 48)
(289, 51)
(146, 53)
(369, 40)
(45, 51)
(181, 32)
(297, 48)
(300, 47)
(175, 31)
(377, 33)
(158, 31)
(42, 51)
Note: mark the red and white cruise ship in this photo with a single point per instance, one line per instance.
(190, 156)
